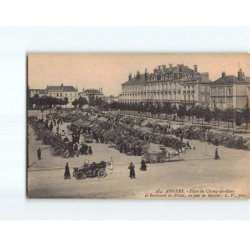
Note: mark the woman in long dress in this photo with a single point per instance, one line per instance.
(67, 172)
(143, 165)
(216, 154)
(90, 150)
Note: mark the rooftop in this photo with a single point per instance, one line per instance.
(230, 79)
(92, 92)
(61, 88)
(193, 76)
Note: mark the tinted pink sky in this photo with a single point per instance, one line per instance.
(109, 71)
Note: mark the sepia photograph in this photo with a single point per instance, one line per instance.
(138, 126)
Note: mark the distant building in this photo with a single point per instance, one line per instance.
(91, 94)
(37, 92)
(60, 92)
(175, 84)
(111, 98)
(230, 91)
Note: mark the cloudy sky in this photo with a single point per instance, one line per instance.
(109, 71)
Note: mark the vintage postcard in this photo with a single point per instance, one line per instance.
(138, 126)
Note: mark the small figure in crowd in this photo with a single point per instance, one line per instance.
(76, 150)
(132, 171)
(188, 145)
(216, 154)
(110, 164)
(67, 172)
(66, 139)
(51, 127)
(143, 165)
(39, 154)
(90, 150)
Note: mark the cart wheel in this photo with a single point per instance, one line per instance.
(80, 175)
(101, 173)
(65, 154)
(162, 160)
(56, 150)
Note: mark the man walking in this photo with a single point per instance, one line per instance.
(132, 171)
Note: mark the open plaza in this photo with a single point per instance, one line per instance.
(194, 170)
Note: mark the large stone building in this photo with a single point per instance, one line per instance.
(179, 84)
(60, 92)
(230, 91)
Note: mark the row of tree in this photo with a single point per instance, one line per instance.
(182, 111)
(229, 115)
(46, 101)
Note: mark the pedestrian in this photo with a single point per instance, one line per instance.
(67, 172)
(57, 129)
(90, 150)
(51, 127)
(181, 137)
(39, 154)
(143, 165)
(216, 154)
(132, 171)
(188, 145)
(76, 150)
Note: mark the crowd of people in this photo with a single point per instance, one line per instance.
(126, 139)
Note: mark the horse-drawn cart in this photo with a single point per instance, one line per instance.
(163, 156)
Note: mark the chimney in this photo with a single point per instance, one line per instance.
(195, 68)
(82, 89)
(138, 75)
(146, 74)
(223, 74)
(129, 76)
(159, 68)
(170, 65)
(240, 75)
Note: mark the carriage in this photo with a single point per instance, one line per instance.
(59, 149)
(90, 171)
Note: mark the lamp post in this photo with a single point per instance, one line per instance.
(206, 134)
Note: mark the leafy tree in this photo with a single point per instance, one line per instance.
(228, 116)
(182, 111)
(217, 115)
(207, 114)
(199, 112)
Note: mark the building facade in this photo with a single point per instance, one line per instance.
(37, 92)
(60, 92)
(179, 84)
(91, 94)
(230, 91)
